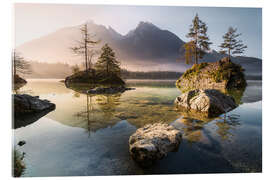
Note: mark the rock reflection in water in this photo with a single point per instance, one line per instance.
(193, 124)
(226, 124)
(194, 128)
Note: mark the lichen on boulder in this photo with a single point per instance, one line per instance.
(207, 103)
(222, 75)
(152, 142)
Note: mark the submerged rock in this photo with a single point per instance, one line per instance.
(222, 75)
(21, 143)
(208, 102)
(153, 142)
(27, 104)
(110, 90)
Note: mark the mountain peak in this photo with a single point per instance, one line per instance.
(146, 25)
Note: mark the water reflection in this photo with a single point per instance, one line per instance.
(226, 124)
(230, 143)
(25, 120)
(99, 111)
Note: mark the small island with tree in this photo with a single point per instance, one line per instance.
(204, 83)
(223, 74)
(105, 73)
(19, 67)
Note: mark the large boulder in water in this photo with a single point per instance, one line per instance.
(208, 102)
(222, 75)
(27, 104)
(153, 142)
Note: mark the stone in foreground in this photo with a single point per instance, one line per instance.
(26, 104)
(209, 102)
(153, 142)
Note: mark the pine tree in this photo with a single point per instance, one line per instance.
(84, 45)
(107, 63)
(189, 51)
(199, 39)
(231, 45)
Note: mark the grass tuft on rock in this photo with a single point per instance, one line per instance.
(194, 70)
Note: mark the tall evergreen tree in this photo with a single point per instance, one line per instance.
(231, 45)
(199, 39)
(107, 63)
(84, 45)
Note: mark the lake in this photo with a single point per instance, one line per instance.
(88, 135)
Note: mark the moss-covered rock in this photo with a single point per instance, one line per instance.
(222, 75)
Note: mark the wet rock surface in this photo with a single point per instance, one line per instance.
(209, 102)
(27, 104)
(152, 142)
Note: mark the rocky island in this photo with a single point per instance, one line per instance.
(90, 77)
(102, 78)
(208, 88)
(222, 75)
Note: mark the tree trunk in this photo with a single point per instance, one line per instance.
(85, 47)
(196, 53)
(107, 69)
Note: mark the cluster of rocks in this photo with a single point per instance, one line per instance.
(202, 84)
(152, 142)
(108, 90)
(209, 102)
(27, 104)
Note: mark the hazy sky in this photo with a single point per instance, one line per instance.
(35, 20)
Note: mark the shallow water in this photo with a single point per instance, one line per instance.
(88, 135)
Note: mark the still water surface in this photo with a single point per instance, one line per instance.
(88, 135)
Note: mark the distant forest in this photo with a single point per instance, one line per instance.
(150, 74)
(60, 71)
